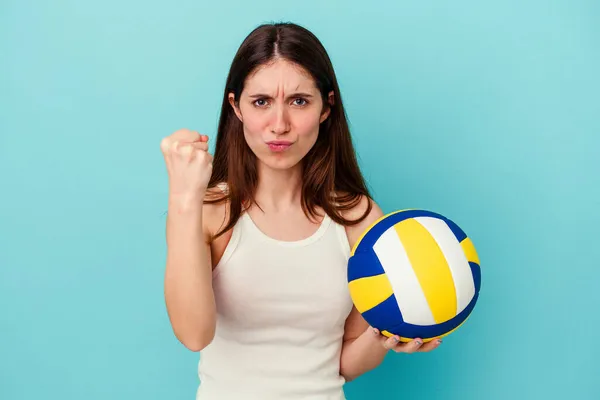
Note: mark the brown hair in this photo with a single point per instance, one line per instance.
(332, 178)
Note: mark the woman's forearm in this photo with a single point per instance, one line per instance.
(361, 355)
(188, 288)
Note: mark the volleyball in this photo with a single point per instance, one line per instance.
(415, 274)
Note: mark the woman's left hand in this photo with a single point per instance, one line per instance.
(393, 343)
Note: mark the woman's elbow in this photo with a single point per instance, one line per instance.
(347, 374)
(197, 342)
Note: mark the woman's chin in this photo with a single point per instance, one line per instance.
(280, 161)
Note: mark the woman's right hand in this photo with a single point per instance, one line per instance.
(189, 165)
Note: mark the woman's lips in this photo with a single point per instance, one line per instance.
(279, 145)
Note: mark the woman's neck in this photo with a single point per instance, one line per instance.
(278, 190)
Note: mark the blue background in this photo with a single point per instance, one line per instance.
(486, 112)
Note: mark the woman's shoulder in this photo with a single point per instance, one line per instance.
(214, 209)
(367, 207)
(215, 215)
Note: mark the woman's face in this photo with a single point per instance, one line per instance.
(281, 110)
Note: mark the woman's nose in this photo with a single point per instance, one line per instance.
(280, 123)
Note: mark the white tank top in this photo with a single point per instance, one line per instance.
(281, 309)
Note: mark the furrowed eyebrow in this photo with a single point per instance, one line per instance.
(266, 96)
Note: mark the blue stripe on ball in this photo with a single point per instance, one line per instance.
(382, 314)
(362, 265)
(476, 271)
(459, 233)
(431, 331)
(368, 241)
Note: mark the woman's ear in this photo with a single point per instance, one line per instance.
(331, 98)
(327, 107)
(236, 109)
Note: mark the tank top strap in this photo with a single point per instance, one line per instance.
(340, 231)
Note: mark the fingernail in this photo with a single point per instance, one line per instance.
(376, 331)
(396, 338)
(439, 341)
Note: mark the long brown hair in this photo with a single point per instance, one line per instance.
(332, 178)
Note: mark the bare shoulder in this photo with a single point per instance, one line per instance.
(355, 231)
(214, 215)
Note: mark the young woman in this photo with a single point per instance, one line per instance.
(259, 237)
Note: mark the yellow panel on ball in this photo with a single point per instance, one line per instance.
(370, 291)
(430, 267)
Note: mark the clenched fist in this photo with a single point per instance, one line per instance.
(189, 165)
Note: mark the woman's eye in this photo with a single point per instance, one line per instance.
(260, 103)
(300, 102)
